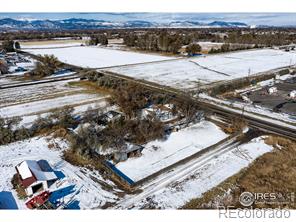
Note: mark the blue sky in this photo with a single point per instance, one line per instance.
(276, 19)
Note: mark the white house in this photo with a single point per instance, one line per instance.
(35, 176)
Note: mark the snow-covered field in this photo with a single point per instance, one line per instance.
(51, 45)
(207, 46)
(238, 64)
(46, 105)
(96, 57)
(6, 80)
(75, 184)
(179, 145)
(178, 73)
(190, 73)
(31, 101)
(29, 93)
(78, 110)
(207, 176)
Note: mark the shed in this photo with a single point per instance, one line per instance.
(128, 150)
(109, 116)
(292, 94)
(272, 90)
(35, 176)
(165, 113)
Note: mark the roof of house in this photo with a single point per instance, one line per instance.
(37, 169)
(130, 147)
(112, 114)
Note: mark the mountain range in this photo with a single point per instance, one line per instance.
(80, 23)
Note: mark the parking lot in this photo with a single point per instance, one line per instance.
(278, 101)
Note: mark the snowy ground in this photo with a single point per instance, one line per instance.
(75, 183)
(96, 57)
(207, 46)
(5, 79)
(179, 145)
(79, 109)
(205, 177)
(178, 73)
(31, 101)
(190, 73)
(29, 93)
(51, 45)
(238, 64)
(46, 105)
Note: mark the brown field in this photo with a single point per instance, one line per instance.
(274, 172)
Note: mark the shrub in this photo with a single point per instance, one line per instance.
(3, 67)
(64, 117)
(8, 45)
(9, 131)
(47, 65)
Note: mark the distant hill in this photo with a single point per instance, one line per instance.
(76, 23)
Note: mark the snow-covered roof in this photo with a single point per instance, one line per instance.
(29, 168)
(24, 170)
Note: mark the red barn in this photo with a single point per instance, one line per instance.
(35, 176)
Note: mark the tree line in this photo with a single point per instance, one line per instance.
(12, 131)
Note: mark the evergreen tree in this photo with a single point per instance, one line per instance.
(8, 45)
(193, 49)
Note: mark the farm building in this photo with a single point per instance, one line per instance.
(165, 113)
(128, 150)
(110, 116)
(35, 176)
(272, 90)
(292, 94)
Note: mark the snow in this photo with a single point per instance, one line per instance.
(178, 73)
(209, 45)
(28, 120)
(30, 93)
(5, 80)
(208, 175)
(24, 170)
(32, 101)
(193, 72)
(96, 57)
(75, 184)
(46, 105)
(239, 64)
(179, 145)
(51, 45)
